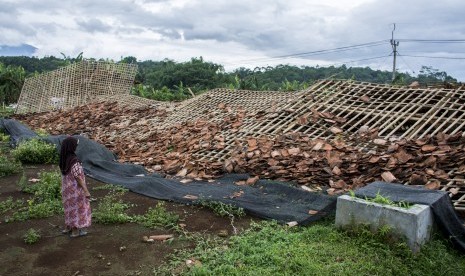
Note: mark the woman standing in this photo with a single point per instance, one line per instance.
(75, 195)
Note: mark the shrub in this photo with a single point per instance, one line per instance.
(8, 167)
(48, 188)
(41, 132)
(111, 209)
(45, 200)
(31, 236)
(36, 151)
(10, 204)
(158, 217)
(4, 137)
(222, 209)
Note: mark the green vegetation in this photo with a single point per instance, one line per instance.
(385, 201)
(31, 236)
(111, 187)
(11, 82)
(158, 217)
(45, 200)
(111, 209)
(10, 204)
(6, 111)
(36, 151)
(271, 249)
(222, 209)
(9, 166)
(4, 137)
(168, 80)
(41, 132)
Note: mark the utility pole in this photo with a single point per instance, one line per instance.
(394, 45)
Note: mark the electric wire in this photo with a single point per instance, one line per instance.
(319, 52)
(408, 65)
(357, 60)
(432, 40)
(434, 57)
(359, 46)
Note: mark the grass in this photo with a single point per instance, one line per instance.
(111, 187)
(9, 166)
(271, 249)
(222, 209)
(6, 111)
(45, 198)
(41, 132)
(111, 209)
(385, 201)
(10, 204)
(158, 217)
(4, 137)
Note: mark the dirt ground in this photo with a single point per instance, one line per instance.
(108, 249)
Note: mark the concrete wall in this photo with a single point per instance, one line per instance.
(414, 224)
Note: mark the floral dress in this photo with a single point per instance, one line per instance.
(75, 203)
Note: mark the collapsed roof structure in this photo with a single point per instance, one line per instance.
(76, 84)
(351, 131)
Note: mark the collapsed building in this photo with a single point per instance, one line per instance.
(335, 136)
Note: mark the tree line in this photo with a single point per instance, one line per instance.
(167, 80)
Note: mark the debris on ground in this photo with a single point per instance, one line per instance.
(228, 139)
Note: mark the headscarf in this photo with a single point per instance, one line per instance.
(67, 154)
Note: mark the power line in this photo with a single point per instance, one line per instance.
(408, 65)
(357, 60)
(433, 40)
(459, 58)
(394, 44)
(321, 52)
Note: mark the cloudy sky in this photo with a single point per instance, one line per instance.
(243, 33)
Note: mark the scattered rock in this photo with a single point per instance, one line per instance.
(292, 223)
(193, 262)
(160, 237)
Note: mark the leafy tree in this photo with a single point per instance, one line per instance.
(11, 83)
(129, 59)
(34, 64)
(195, 74)
(430, 75)
(170, 80)
(70, 60)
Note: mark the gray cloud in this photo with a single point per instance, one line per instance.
(93, 25)
(261, 29)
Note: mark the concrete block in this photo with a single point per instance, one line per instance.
(414, 224)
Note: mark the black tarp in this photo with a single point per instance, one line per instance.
(266, 199)
(444, 214)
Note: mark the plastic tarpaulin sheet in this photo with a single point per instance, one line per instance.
(265, 199)
(444, 213)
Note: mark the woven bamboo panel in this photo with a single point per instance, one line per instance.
(132, 101)
(456, 189)
(214, 105)
(237, 100)
(396, 112)
(74, 85)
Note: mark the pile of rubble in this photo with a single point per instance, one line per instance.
(317, 164)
